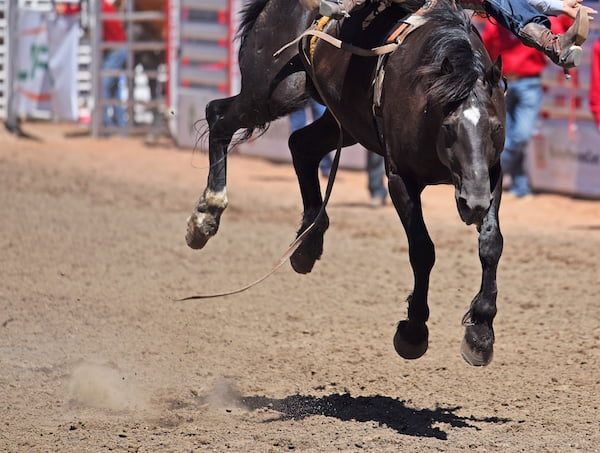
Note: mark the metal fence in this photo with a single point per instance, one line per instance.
(143, 77)
(145, 102)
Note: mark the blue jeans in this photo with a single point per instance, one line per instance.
(298, 118)
(523, 101)
(514, 14)
(115, 59)
(376, 174)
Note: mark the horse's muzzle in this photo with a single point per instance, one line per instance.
(472, 210)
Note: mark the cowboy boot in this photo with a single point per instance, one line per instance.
(338, 9)
(564, 50)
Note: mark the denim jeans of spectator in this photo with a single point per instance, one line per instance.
(376, 175)
(298, 118)
(114, 60)
(514, 14)
(523, 101)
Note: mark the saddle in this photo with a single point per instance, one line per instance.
(395, 37)
(403, 28)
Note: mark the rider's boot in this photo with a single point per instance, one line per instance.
(338, 9)
(564, 50)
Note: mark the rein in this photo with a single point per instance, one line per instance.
(360, 51)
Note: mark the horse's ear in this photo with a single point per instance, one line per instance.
(495, 72)
(447, 67)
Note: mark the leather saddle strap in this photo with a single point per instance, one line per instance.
(375, 51)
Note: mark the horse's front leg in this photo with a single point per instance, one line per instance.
(308, 146)
(204, 221)
(411, 338)
(478, 343)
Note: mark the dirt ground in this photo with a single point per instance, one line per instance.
(96, 354)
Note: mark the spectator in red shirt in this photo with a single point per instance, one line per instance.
(113, 31)
(67, 8)
(594, 96)
(522, 66)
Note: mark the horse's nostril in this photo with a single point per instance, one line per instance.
(476, 203)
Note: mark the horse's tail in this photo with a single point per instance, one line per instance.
(202, 131)
(249, 133)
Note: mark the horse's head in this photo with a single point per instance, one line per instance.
(465, 99)
(470, 143)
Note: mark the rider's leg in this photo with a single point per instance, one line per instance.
(533, 29)
(564, 50)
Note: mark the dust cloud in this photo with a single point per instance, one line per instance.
(224, 394)
(103, 386)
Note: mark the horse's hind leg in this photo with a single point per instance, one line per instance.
(308, 146)
(204, 221)
(411, 338)
(478, 343)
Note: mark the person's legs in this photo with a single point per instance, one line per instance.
(514, 14)
(523, 100)
(564, 50)
(507, 158)
(316, 109)
(120, 109)
(116, 59)
(325, 164)
(297, 120)
(376, 175)
(108, 83)
(533, 29)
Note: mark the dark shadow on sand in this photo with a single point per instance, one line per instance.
(382, 410)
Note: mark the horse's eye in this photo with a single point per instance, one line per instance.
(497, 127)
(498, 135)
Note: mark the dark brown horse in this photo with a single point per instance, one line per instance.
(441, 121)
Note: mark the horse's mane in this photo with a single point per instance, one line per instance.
(249, 14)
(451, 63)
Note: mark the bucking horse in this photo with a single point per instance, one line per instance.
(433, 107)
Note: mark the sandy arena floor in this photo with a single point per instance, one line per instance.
(96, 354)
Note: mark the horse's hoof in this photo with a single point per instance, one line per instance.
(200, 228)
(411, 340)
(477, 347)
(305, 257)
(302, 264)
